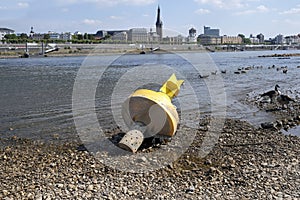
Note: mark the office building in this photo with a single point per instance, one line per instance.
(138, 35)
(120, 36)
(261, 38)
(5, 31)
(211, 32)
(231, 40)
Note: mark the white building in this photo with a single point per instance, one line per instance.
(254, 40)
(66, 36)
(5, 31)
(176, 40)
(153, 37)
(60, 36)
(293, 39)
(138, 35)
(121, 37)
(279, 39)
(37, 36)
(53, 35)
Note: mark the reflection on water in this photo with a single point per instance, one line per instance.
(36, 93)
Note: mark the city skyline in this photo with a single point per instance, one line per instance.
(232, 17)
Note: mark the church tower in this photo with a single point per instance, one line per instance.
(159, 24)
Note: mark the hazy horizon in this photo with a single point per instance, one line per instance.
(232, 17)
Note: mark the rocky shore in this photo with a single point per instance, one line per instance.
(246, 163)
(285, 55)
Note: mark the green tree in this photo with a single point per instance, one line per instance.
(91, 37)
(23, 36)
(247, 41)
(80, 37)
(74, 37)
(107, 37)
(244, 39)
(242, 36)
(46, 37)
(85, 36)
(10, 36)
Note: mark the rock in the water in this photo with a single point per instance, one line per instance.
(267, 125)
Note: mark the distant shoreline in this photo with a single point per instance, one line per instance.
(68, 50)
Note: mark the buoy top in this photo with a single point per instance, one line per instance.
(172, 86)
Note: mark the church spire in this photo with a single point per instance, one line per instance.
(158, 20)
(159, 24)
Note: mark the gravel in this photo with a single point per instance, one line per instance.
(246, 163)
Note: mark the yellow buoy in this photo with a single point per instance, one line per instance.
(153, 111)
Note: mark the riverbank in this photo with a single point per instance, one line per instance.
(17, 50)
(246, 163)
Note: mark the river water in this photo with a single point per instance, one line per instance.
(36, 93)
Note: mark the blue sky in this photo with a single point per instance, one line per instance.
(270, 17)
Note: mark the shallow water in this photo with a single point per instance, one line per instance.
(36, 93)
(293, 131)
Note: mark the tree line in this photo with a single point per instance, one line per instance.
(23, 38)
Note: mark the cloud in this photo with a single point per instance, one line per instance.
(259, 9)
(291, 11)
(91, 22)
(3, 8)
(66, 2)
(105, 3)
(65, 10)
(115, 17)
(292, 22)
(224, 4)
(137, 2)
(202, 11)
(117, 2)
(23, 5)
(262, 8)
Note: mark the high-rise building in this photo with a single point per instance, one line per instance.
(5, 31)
(211, 32)
(210, 36)
(279, 39)
(159, 24)
(261, 38)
